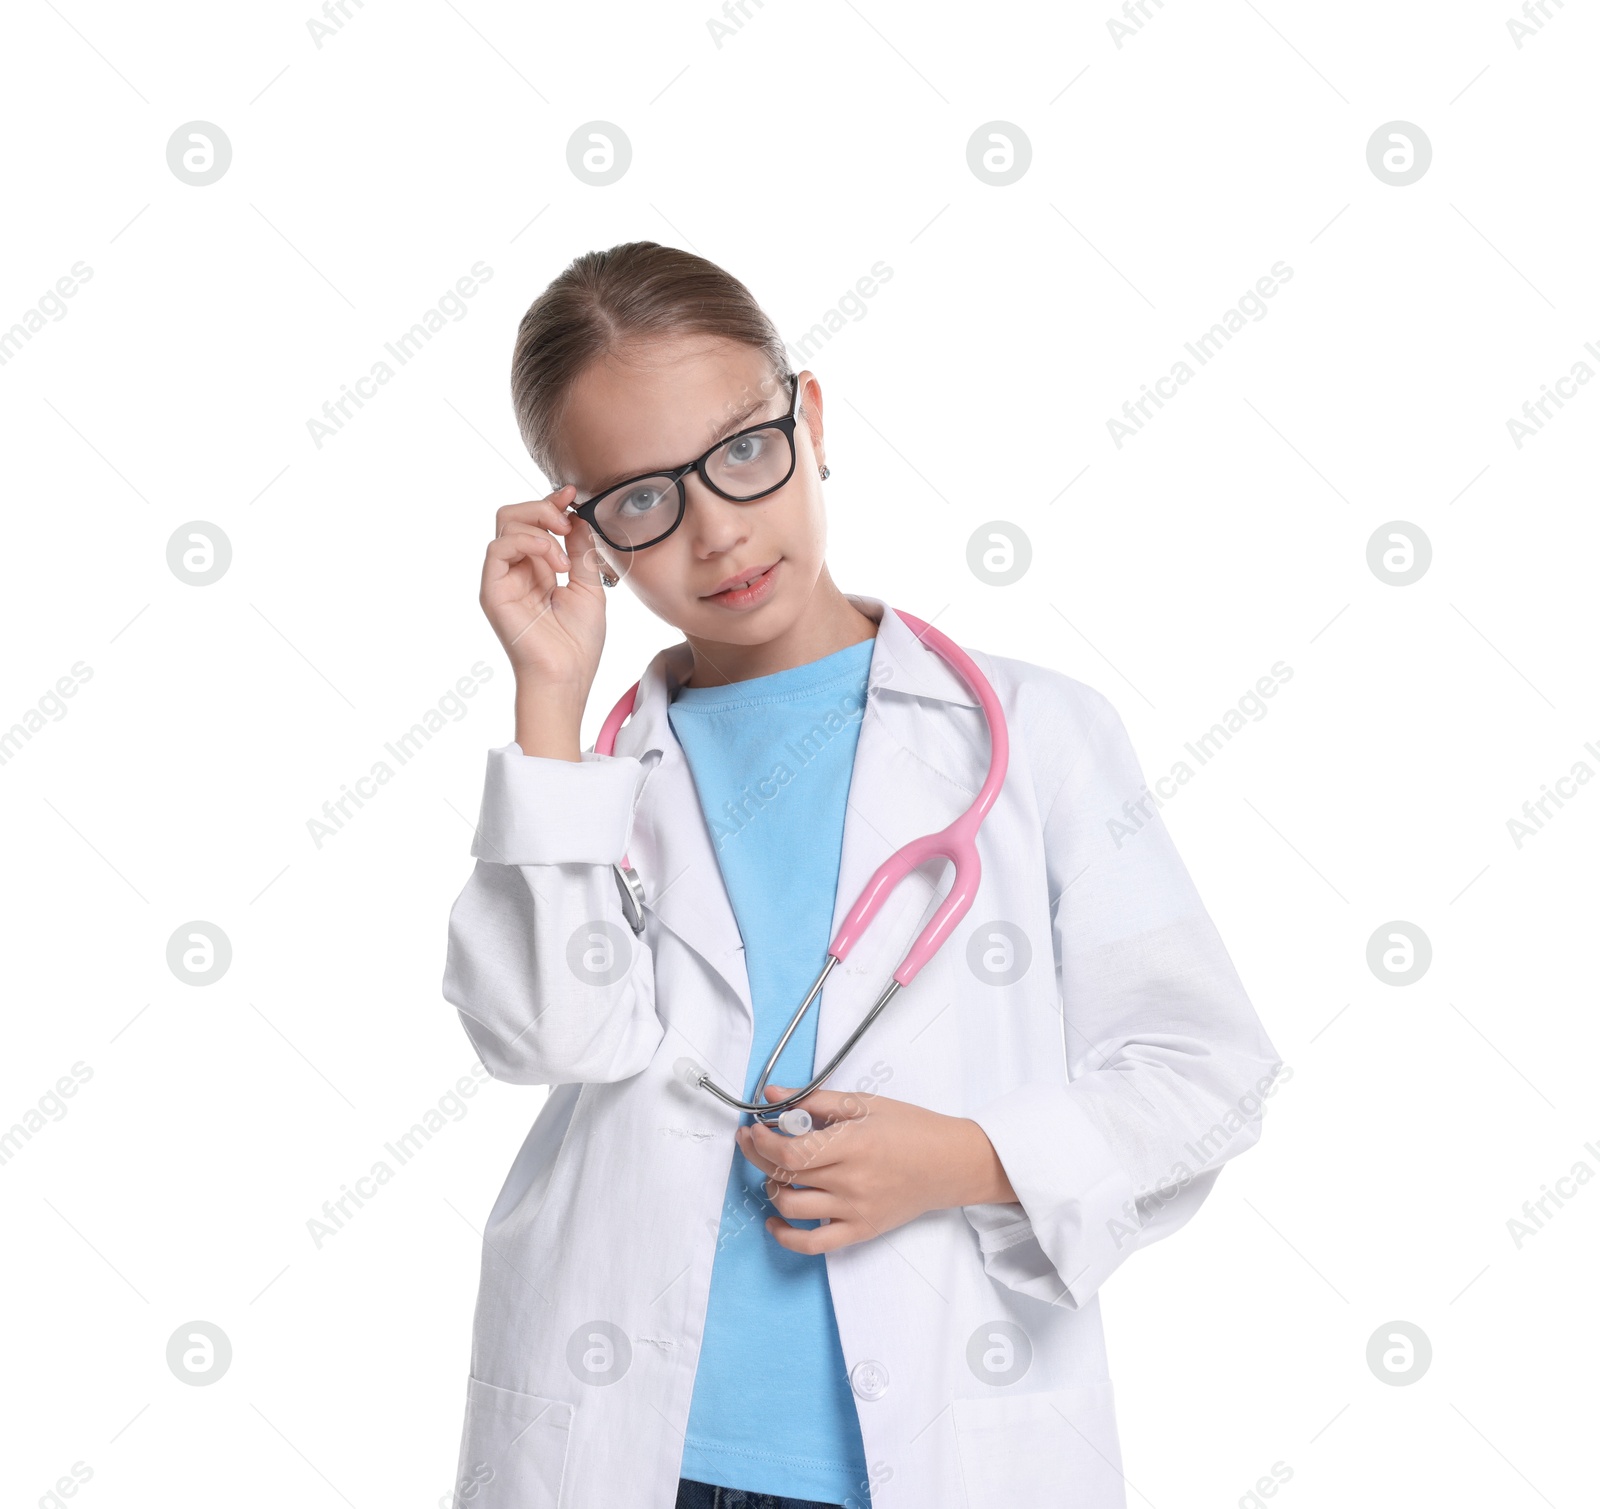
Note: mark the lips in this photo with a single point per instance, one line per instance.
(741, 581)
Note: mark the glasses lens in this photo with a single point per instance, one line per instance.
(749, 465)
(639, 513)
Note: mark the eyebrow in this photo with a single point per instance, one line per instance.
(722, 433)
(738, 419)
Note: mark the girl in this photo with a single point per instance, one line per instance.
(680, 1308)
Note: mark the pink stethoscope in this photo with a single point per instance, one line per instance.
(956, 843)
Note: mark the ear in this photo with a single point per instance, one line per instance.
(811, 411)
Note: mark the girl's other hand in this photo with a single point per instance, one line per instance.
(552, 634)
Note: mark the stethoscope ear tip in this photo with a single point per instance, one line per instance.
(795, 1122)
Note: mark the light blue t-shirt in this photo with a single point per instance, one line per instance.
(772, 1410)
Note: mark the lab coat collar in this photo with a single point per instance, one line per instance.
(670, 846)
(900, 662)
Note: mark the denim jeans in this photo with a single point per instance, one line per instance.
(693, 1495)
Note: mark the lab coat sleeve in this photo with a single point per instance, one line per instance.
(552, 985)
(1165, 1063)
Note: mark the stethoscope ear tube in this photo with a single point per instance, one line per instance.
(768, 1111)
(795, 1121)
(632, 892)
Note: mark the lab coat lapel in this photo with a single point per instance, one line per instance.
(670, 847)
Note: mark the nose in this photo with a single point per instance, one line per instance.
(715, 524)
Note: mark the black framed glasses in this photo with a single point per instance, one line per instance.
(746, 465)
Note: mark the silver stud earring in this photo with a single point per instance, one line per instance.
(822, 471)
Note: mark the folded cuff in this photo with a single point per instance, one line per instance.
(539, 811)
(1069, 1184)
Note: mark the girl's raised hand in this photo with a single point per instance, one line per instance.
(552, 634)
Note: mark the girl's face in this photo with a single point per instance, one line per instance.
(658, 406)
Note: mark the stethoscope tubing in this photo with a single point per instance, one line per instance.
(957, 843)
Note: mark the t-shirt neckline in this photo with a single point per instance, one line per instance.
(780, 685)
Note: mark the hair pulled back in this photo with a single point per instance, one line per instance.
(606, 301)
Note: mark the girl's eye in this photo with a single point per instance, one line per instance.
(745, 449)
(640, 500)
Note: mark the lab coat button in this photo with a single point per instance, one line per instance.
(869, 1379)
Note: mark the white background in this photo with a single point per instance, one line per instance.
(1231, 532)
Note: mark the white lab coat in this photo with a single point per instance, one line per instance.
(972, 1335)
